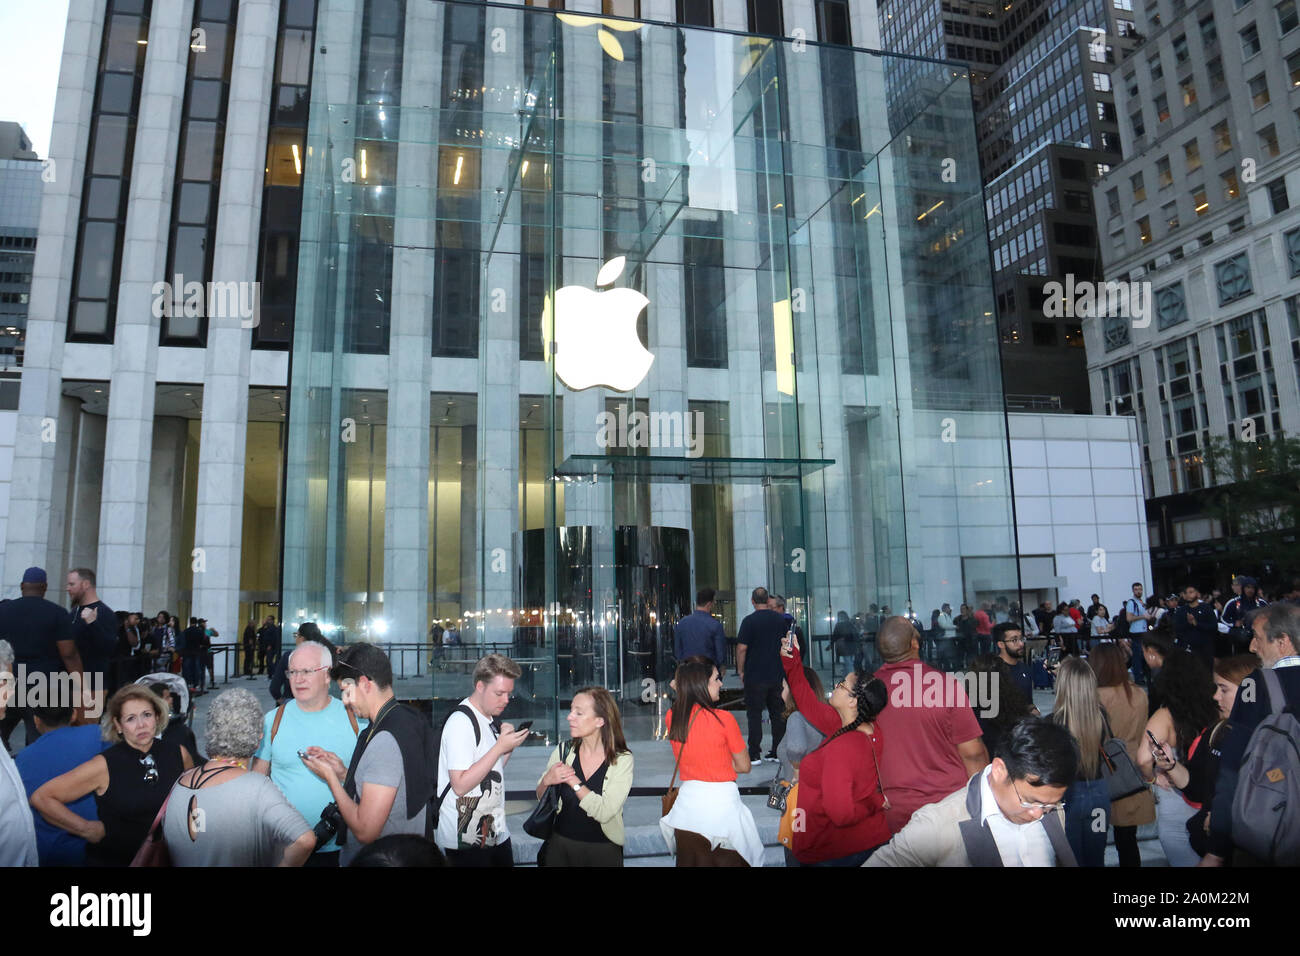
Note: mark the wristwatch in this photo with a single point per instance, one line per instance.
(577, 787)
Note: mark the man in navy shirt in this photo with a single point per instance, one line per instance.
(758, 661)
(40, 633)
(700, 633)
(59, 749)
(1234, 615)
(1195, 625)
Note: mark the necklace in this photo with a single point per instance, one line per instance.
(240, 762)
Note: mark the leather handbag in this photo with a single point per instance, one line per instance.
(777, 792)
(670, 795)
(785, 829)
(1123, 779)
(541, 822)
(153, 851)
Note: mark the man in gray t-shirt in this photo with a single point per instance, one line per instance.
(381, 765)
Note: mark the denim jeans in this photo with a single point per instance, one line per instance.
(1085, 826)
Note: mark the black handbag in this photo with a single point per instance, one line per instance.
(541, 822)
(1123, 779)
(777, 793)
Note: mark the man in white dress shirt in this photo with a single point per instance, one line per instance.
(1009, 814)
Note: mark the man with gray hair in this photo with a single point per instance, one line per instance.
(17, 831)
(312, 718)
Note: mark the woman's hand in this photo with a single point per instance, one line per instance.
(566, 776)
(556, 774)
(93, 832)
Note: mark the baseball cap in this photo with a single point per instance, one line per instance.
(1248, 582)
(34, 576)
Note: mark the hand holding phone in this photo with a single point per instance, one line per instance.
(787, 645)
(523, 726)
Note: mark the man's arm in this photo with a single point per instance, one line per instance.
(740, 660)
(70, 655)
(720, 649)
(917, 844)
(974, 755)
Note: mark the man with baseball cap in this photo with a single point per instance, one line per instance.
(41, 635)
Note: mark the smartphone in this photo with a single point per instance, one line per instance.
(303, 754)
(1156, 746)
(523, 726)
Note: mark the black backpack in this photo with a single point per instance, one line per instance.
(435, 805)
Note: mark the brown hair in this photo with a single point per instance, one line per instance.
(692, 682)
(1236, 668)
(494, 666)
(114, 710)
(611, 735)
(1109, 664)
(815, 683)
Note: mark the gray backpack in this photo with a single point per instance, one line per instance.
(1266, 807)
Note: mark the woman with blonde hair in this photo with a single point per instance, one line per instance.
(130, 780)
(1078, 709)
(594, 772)
(1125, 705)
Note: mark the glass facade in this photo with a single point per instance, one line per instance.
(592, 313)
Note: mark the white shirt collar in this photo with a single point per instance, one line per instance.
(1292, 661)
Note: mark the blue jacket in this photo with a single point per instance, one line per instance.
(700, 633)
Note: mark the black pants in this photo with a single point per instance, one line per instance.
(758, 696)
(563, 851)
(1126, 845)
(482, 856)
(322, 861)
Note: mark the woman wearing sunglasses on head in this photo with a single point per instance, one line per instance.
(130, 780)
(841, 797)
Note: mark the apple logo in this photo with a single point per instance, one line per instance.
(595, 334)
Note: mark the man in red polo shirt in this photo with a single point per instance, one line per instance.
(984, 628)
(934, 743)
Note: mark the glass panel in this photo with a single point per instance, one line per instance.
(109, 150)
(95, 260)
(103, 198)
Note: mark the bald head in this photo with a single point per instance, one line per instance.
(896, 640)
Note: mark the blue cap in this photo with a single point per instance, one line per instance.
(34, 576)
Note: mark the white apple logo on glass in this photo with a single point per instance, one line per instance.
(595, 334)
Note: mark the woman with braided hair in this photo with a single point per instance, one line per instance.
(841, 797)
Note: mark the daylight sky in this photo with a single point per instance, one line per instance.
(31, 45)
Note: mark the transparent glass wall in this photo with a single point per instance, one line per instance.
(593, 313)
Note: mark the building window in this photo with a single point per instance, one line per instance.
(1112, 201)
(765, 17)
(1044, 334)
(1123, 4)
(1192, 155)
(1246, 373)
(1222, 138)
(1139, 126)
(1164, 174)
(97, 266)
(1293, 67)
(1183, 410)
(706, 296)
(1157, 70)
(1230, 188)
(1116, 331)
(1259, 91)
(1144, 229)
(1209, 35)
(1249, 41)
(1232, 278)
(1268, 141)
(1277, 197)
(1162, 108)
(1101, 81)
(1125, 28)
(1200, 200)
(1139, 187)
(1287, 18)
(833, 22)
(1180, 48)
(1171, 306)
(695, 13)
(1188, 89)
(1292, 242)
(631, 9)
(1170, 212)
(1214, 69)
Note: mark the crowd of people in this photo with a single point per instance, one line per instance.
(897, 765)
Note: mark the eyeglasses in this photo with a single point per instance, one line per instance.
(1032, 805)
(305, 673)
(150, 768)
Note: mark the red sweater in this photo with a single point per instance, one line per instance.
(838, 788)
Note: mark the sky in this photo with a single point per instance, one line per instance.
(31, 46)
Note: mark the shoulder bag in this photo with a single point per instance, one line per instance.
(541, 822)
(1122, 776)
(670, 795)
(153, 851)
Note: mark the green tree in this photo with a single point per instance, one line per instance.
(1255, 494)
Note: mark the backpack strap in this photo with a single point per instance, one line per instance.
(279, 716)
(1276, 695)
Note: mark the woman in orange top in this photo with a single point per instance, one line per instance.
(708, 824)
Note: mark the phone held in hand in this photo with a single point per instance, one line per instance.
(523, 726)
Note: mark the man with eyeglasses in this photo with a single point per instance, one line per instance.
(1010, 642)
(1010, 814)
(311, 718)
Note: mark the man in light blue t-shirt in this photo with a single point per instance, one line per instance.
(312, 719)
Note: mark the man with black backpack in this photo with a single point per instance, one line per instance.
(388, 787)
(1256, 816)
(472, 756)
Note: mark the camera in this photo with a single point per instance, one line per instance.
(328, 825)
